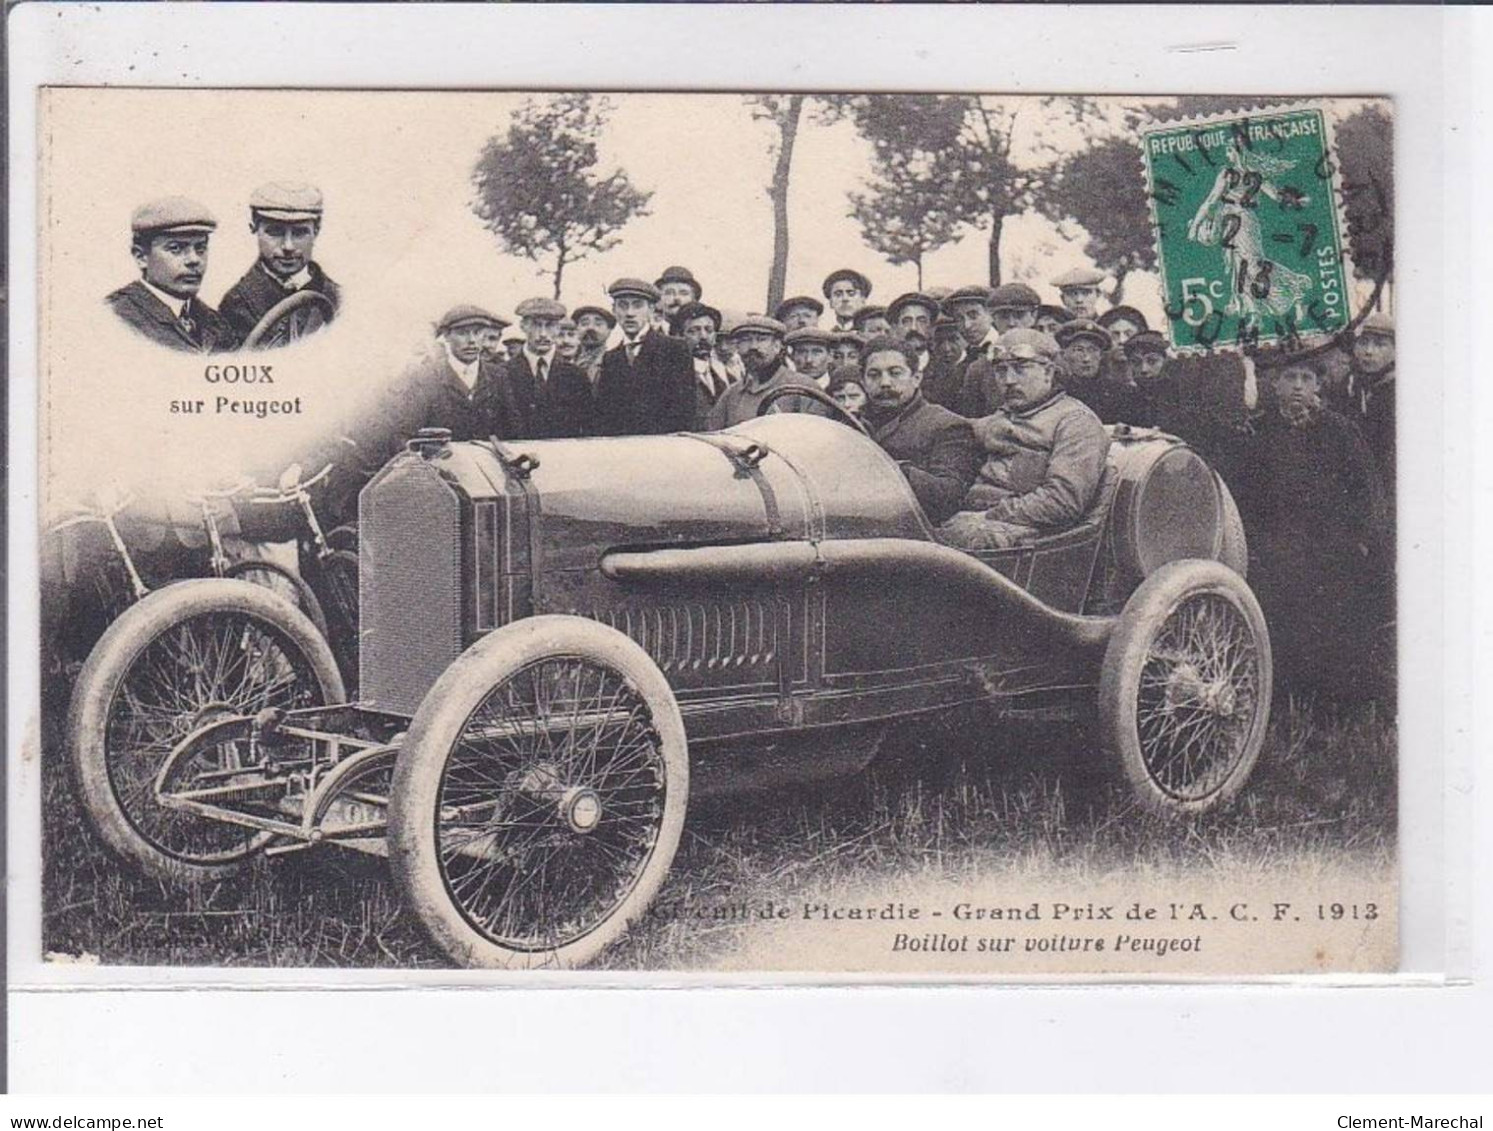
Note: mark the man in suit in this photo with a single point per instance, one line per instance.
(285, 218)
(647, 380)
(169, 239)
(699, 326)
(453, 386)
(847, 291)
(934, 447)
(809, 349)
(968, 386)
(539, 395)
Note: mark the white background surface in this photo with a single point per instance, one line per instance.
(1111, 1038)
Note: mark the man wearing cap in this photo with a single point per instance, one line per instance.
(1079, 290)
(934, 447)
(1090, 376)
(969, 307)
(1044, 454)
(798, 312)
(1164, 406)
(1014, 306)
(677, 288)
(1371, 385)
(809, 347)
(912, 316)
(943, 379)
(593, 325)
(285, 218)
(847, 292)
(871, 322)
(759, 342)
(647, 380)
(168, 239)
(512, 341)
(452, 386)
(539, 395)
(1320, 561)
(698, 326)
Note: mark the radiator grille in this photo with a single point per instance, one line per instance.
(409, 584)
(703, 637)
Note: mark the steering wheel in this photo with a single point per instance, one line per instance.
(292, 318)
(816, 394)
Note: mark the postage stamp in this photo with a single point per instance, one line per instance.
(1249, 229)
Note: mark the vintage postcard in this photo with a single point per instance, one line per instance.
(880, 536)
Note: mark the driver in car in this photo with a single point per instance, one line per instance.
(1045, 453)
(285, 218)
(934, 447)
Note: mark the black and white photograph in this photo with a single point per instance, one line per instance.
(880, 535)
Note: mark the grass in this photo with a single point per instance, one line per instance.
(954, 807)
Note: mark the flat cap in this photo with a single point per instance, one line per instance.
(865, 314)
(1079, 277)
(1124, 314)
(1026, 344)
(807, 301)
(172, 214)
(1060, 313)
(600, 311)
(843, 375)
(680, 275)
(911, 298)
(839, 337)
(1081, 328)
(286, 200)
(641, 288)
(1147, 341)
(1014, 296)
(943, 324)
(848, 274)
(513, 334)
(1377, 323)
(540, 308)
(810, 335)
(759, 324)
(465, 313)
(695, 310)
(972, 293)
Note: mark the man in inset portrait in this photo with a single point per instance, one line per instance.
(169, 240)
(285, 217)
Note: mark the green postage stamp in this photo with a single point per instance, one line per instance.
(1249, 229)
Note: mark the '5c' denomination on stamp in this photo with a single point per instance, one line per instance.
(1249, 229)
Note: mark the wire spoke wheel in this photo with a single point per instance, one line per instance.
(550, 804)
(1184, 694)
(208, 667)
(188, 655)
(540, 796)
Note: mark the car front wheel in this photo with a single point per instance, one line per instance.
(539, 796)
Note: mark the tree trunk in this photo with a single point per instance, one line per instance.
(559, 273)
(918, 263)
(1119, 293)
(996, 222)
(788, 134)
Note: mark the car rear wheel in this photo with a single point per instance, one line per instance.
(539, 797)
(186, 655)
(1184, 694)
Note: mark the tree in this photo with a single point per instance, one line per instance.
(966, 147)
(1102, 189)
(784, 112)
(538, 190)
